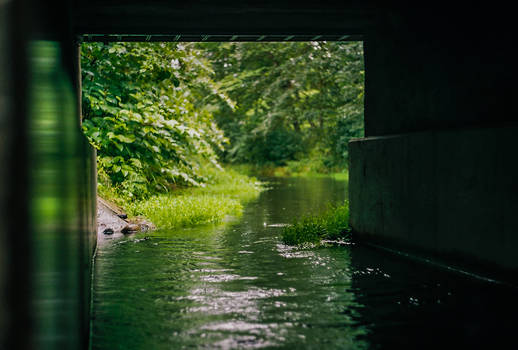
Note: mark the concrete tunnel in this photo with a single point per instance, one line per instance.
(435, 175)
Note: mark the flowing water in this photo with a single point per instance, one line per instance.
(235, 286)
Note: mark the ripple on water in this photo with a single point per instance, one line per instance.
(226, 288)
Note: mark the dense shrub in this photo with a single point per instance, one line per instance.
(145, 109)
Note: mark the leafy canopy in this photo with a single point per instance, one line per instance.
(145, 110)
(292, 99)
(158, 113)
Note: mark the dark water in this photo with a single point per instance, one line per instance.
(237, 286)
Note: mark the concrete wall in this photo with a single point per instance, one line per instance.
(5, 114)
(14, 254)
(61, 202)
(221, 17)
(451, 193)
(437, 168)
(437, 69)
(47, 183)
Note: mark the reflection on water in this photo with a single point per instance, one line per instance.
(228, 287)
(238, 287)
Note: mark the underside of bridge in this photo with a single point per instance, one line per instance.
(436, 172)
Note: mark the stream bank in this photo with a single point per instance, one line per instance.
(111, 219)
(225, 194)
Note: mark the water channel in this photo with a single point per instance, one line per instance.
(235, 286)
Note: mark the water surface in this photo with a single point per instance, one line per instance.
(235, 286)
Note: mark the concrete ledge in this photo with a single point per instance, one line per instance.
(448, 193)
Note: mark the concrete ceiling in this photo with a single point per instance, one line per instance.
(220, 20)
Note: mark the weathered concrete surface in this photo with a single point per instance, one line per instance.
(436, 170)
(439, 68)
(5, 144)
(220, 17)
(449, 193)
(108, 217)
(15, 252)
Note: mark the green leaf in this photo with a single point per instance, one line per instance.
(126, 139)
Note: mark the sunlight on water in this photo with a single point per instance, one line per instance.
(238, 287)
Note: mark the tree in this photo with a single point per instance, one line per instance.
(145, 110)
(288, 97)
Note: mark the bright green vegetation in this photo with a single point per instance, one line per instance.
(292, 169)
(225, 195)
(295, 103)
(162, 117)
(146, 108)
(158, 113)
(168, 211)
(333, 224)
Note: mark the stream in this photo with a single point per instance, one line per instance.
(236, 286)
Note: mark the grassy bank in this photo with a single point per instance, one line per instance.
(224, 194)
(333, 224)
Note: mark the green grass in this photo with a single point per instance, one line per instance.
(341, 176)
(229, 183)
(109, 193)
(333, 224)
(171, 211)
(293, 169)
(224, 194)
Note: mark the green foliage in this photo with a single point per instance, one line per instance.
(331, 225)
(299, 168)
(145, 110)
(292, 99)
(229, 183)
(274, 147)
(156, 111)
(224, 195)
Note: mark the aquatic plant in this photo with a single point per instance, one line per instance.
(333, 224)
